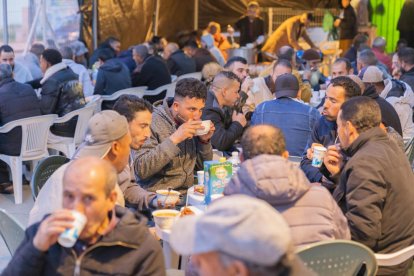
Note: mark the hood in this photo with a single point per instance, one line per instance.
(112, 65)
(130, 229)
(400, 91)
(164, 112)
(371, 92)
(271, 178)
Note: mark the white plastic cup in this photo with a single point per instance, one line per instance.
(206, 124)
(200, 177)
(71, 235)
(318, 155)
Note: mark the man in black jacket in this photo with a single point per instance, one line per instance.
(113, 75)
(224, 92)
(114, 241)
(375, 182)
(406, 61)
(177, 61)
(153, 71)
(347, 22)
(61, 92)
(17, 101)
(251, 26)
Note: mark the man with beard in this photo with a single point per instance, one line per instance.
(324, 132)
(20, 73)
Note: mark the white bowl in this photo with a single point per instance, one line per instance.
(165, 200)
(165, 218)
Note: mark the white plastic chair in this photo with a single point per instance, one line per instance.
(395, 258)
(34, 147)
(196, 75)
(137, 91)
(160, 89)
(96, 101)
(67, 145)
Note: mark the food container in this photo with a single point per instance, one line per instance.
(167, 200)
(165, 218)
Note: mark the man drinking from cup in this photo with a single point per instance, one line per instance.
(168, 158)
(374, 181)
(324, 132)
(111, 240)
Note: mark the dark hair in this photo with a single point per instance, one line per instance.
(286, 52)
(359, 39)
(104, 54)
(37, 49)
(262, 139)
(52, 56)
(191, 44)
(191, 88)
(367, 57)
(156, 39)
(128, 105)
(406, 54)
(6, 48)
(283, 62)
(364, 113)
(351, 88)
(346, 61)
(232, 60)
(310, 16)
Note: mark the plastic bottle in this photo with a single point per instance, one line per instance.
(235, 160)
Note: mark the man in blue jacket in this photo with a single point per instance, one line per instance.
(324, 132)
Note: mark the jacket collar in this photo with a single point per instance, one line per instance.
(52, 70)
(5, 81)
(372, 134)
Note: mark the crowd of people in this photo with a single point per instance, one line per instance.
(271, 206)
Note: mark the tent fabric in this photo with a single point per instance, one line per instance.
(131, 21)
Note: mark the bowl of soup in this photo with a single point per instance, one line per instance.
(165, 218)
(166, 200)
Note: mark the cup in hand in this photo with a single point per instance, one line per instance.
(206, 124)
(70, 236)
(318, 155)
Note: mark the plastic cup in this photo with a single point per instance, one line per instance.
(318, 155)
(71, 235)
(200, 177)
(206, 124)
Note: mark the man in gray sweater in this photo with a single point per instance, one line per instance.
(169, 157)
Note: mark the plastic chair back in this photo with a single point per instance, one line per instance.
(159, 93)
(339, 257)
(34, 135)
(11, 231)
(44, 170)
(409, 150)
(95, 101)
(395, 258)
(195, 75)
(109, 100)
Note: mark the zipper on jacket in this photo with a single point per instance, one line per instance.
(77, 269)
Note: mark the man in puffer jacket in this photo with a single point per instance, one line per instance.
(310, 210)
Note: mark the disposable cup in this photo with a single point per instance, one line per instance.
(200, 177)
(318, 155)
(70, 236)
(206, 124)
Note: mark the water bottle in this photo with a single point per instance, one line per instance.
(235, 161)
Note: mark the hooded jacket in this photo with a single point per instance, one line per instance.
(375, 192)
(310, 211)
(113, 76)
(401, 97)
(389, 116)
(160, 164)
(128, 249)
(408, 77)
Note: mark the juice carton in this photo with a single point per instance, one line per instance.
(216, 176)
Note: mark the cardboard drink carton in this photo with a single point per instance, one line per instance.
(216, 176)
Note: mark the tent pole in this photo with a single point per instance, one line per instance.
(195, 14)
(157, 15)
(95, 24)
(5, 24)
(32, 29)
